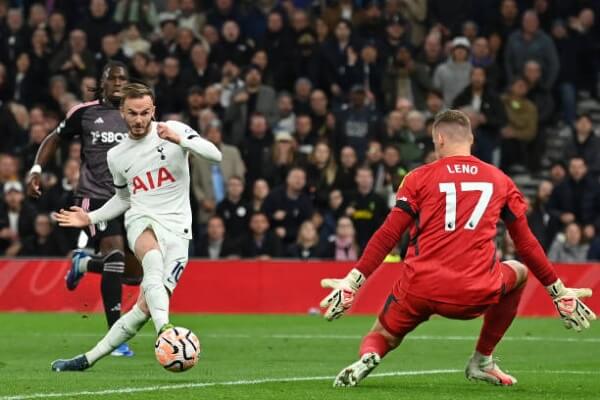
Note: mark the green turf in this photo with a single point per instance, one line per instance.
(240, 348)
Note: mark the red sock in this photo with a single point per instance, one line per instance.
(497, 320)
(374, 342)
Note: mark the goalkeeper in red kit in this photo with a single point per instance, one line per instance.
(451, 207)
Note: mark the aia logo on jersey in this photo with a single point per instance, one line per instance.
(152, 180)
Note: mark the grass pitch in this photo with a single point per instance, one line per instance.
(294, 357)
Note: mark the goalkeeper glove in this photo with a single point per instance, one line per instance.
(342, 296)
(573, 312)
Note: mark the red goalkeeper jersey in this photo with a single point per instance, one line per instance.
(456, 203)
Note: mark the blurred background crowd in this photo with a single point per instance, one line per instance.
(319, 107)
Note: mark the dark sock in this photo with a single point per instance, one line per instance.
(96, 264)
(114, 265)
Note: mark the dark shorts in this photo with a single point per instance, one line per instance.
(401, 317)
(96, 233)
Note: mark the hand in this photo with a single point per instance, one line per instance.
(567, 218)
(589, 232)
(280, 231)
(573, 312)
(166, 133)
(279, 215)
(76, 218)
(209, 205)
(350, 211)
(351, 56)
(507, 132)
(342, 296)
(33, 185)
(241, 97)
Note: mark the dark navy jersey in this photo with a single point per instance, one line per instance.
(100, 127)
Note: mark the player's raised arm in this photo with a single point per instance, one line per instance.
(574, 313)
(379, 246)
(189, 139)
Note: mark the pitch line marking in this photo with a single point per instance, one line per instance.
(212, 384)
(261, 381)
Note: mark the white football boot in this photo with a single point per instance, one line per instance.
(354, 373)
(484, 368)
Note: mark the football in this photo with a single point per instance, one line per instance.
(177, 349)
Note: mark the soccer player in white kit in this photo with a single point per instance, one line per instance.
(151, 176)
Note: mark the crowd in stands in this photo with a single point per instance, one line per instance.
(319, 107)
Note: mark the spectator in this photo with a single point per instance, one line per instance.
(339, 60)
(539, 215)
(570, 248)
(98, 24)
(344, 247)
(347, 171)
(321, 171)
(395, 171)
(170, 90)
(261, 242)
(539, 94)
(212, 100)
(453, 76)
(165, 43)
(370, 73)
(307, 244)
(567, 46)
(482, 57)
(234, 210)
(323, 120)
(277, 42)
(45, 241)
(286, 118)
(406, 78)
(288, 205)
(304, 135)
(254, 97)
(572, 200)
(432, 54)
(366, 209)
(281, 159)
(506, 22)
(209, 180)
(57, 31)
(302, 90)
(358, 123)
(215, 244)
(233, 46)
(260, 191)
(396, 34)
(62, 194)
(75, 60)
(140, 12)
(194, 105)
(223, 11)
(522, 125)
(16, 218)
(190, 18)
(594, 252)
(585, 144)
(413, 139)
(256, 147)
(531, 43)
(488, 113)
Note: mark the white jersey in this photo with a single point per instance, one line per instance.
(156, 174)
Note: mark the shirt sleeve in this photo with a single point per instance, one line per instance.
(515, 206)
(194, 143)
(407, 195)
(119, 181)
(71, 126)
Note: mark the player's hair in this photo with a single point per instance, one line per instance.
(452, 117)
(136, 91)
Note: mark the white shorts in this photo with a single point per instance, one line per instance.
(173, 248)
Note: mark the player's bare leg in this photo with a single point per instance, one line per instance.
(374, 346)
(497, 320)
(147, 250)
(124, 329)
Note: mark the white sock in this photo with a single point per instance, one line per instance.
(154, 290)
(83, 264)
(124, 329)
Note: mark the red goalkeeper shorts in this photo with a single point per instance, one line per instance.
(399, 317)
